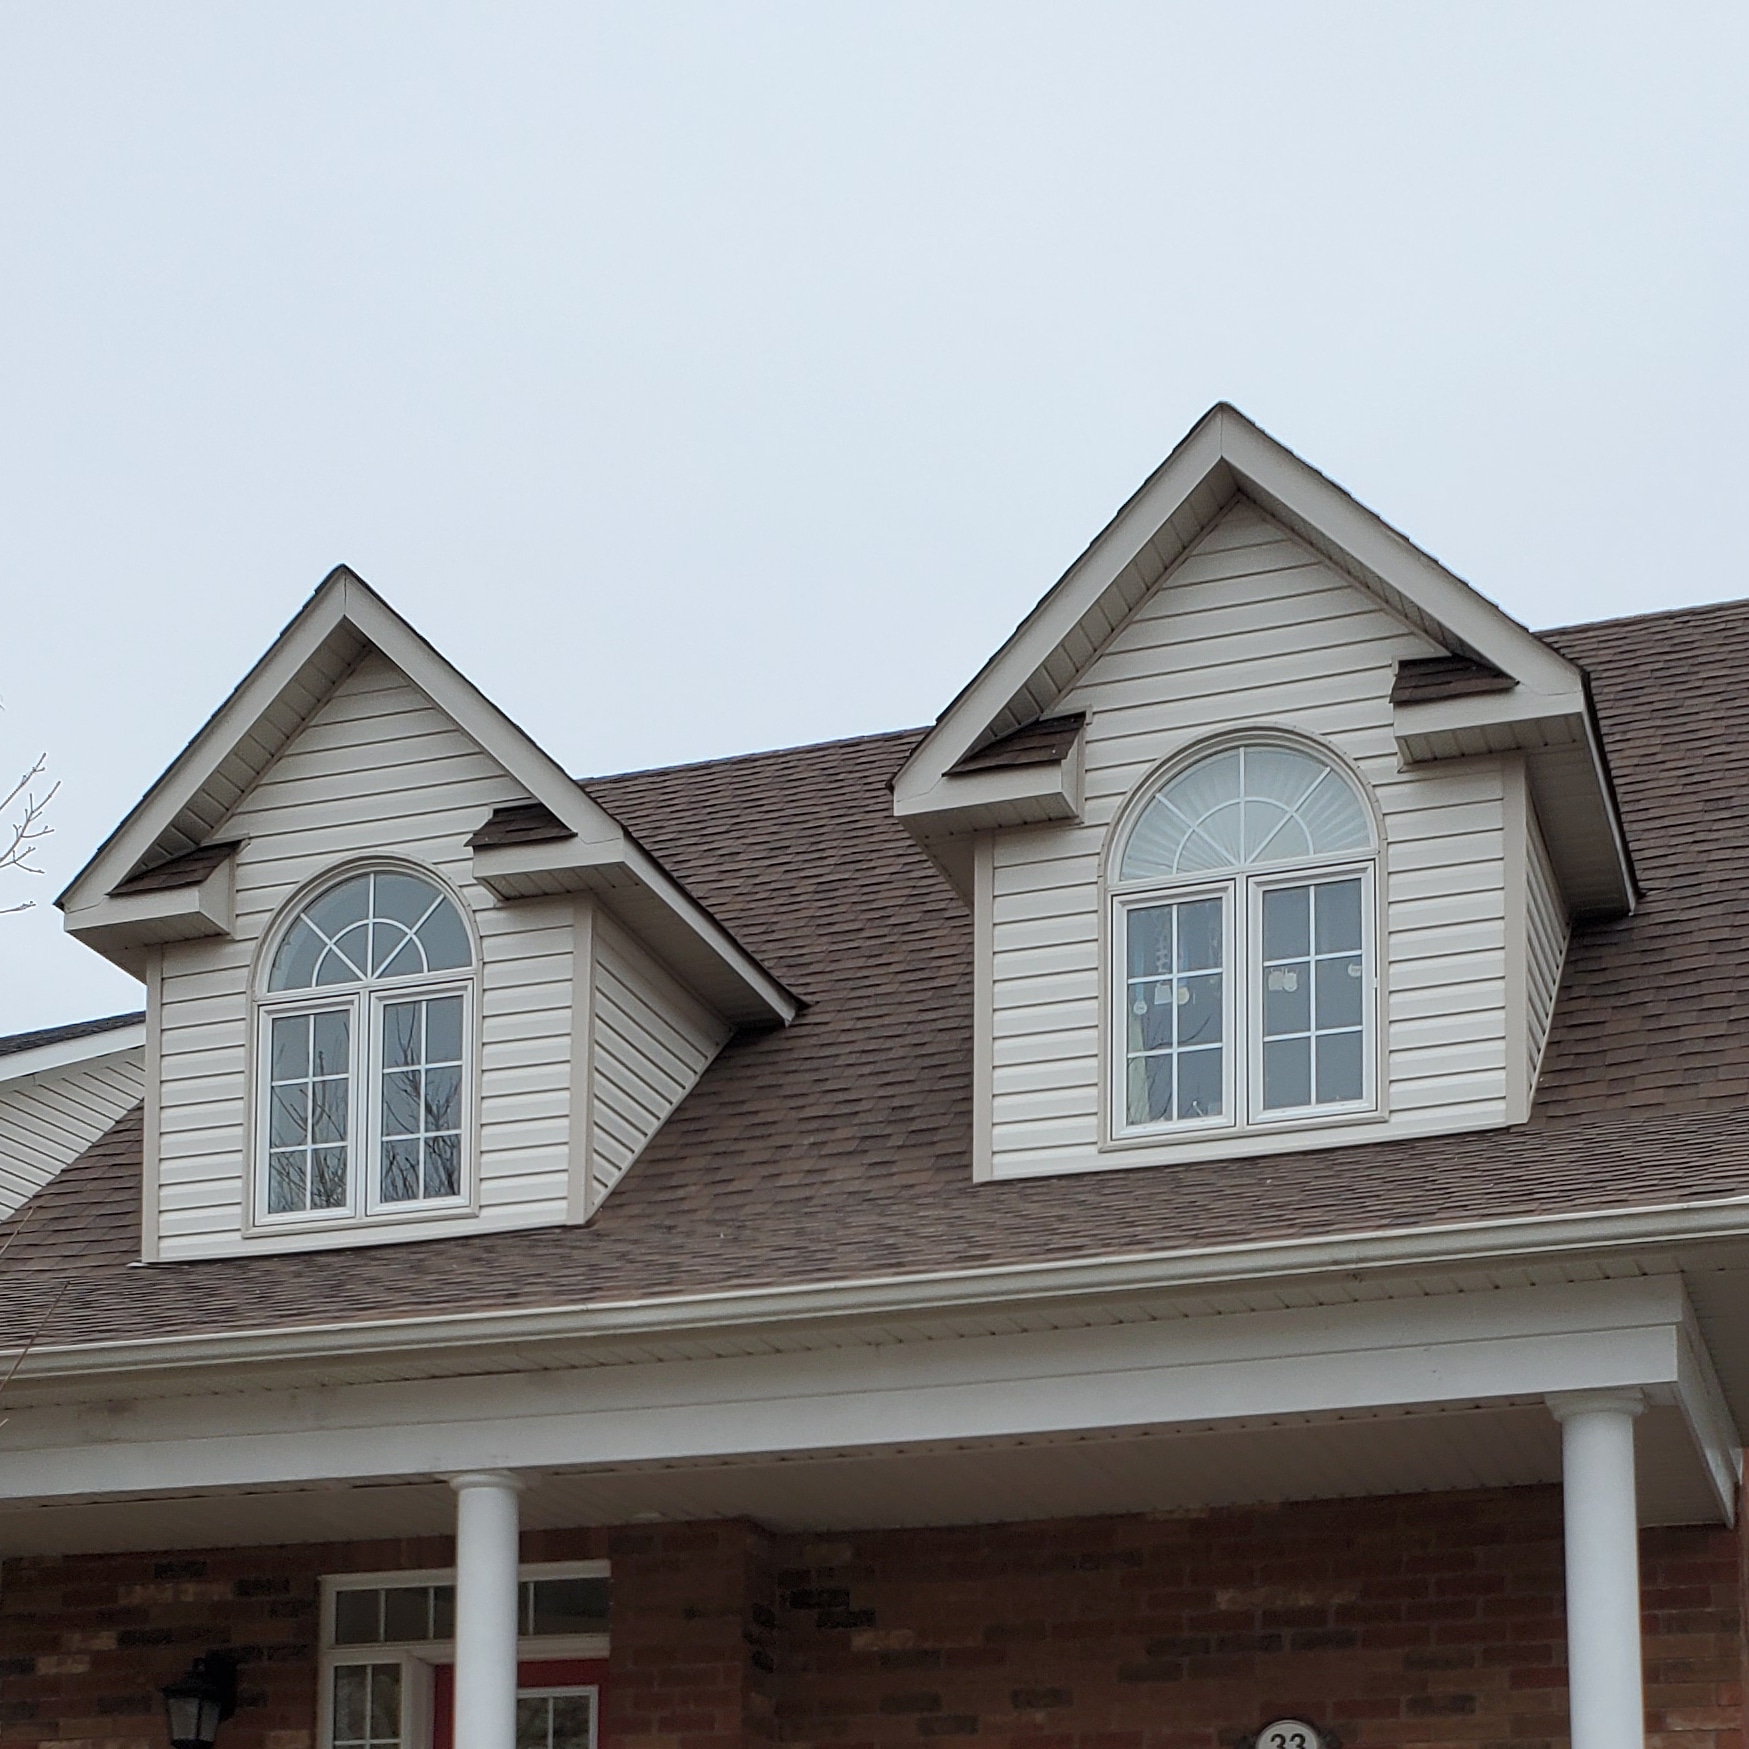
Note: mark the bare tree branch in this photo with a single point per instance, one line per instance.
(24, 831)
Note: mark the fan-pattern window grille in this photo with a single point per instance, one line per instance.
(1243, 808)
(1245, 978)
(370, 988)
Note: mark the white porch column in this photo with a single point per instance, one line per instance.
(486, 1524)
(1604, 1697)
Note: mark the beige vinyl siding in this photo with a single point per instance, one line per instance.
(1545, 947)
(377, 770)
(49, 1119)
(1251, 629)
(652, 1041)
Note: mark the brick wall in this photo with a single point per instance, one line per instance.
(87, 1642)
(1430, 1620)
(1414, 1621)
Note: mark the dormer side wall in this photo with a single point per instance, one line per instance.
(1251, 631)
(651, 1040)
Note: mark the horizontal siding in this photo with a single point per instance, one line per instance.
(1545, 948)
(1251, 629)
(48, 1120)
(377, 769)
(652, 1041)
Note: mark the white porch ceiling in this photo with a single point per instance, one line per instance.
(1136, 1470)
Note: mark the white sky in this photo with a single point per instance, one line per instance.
(705, 377)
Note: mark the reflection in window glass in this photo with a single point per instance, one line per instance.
(1314, 979)
(384, 925)
(551, 1607)
(421, 1133)
(367, 1706)
(555, 1719)
(1175, 1001)
(309, 1076)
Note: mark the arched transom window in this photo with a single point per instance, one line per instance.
(1244, 988)
(365, 1045)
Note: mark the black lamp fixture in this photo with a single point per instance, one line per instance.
(202, 1701)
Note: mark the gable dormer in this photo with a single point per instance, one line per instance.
(405, 978)
(1272, 829)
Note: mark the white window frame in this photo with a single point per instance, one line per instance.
(301, 1002)
(1242, 1007)
(418, 1659)
(363, 1003)
(1141, 899)
(1310, 874)
(379, 996)
(561, 1691)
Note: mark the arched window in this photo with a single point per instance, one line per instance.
(1245, 974)
(365, 1038)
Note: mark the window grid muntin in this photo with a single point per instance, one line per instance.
(414, 1659)
(296, 1093)
(364, 1096)
(1132, 984)
(1246, 855)
(1314, 877)
(384, 938)
(1244, 995)
(384, 1066)
(535, 1725)
(440, 1582)
(366, 1704)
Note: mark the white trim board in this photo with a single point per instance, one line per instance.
(1459, 1244)
(1226, 457)
(1372, 1356)
(119, 1041)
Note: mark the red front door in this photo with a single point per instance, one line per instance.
(535, 1673)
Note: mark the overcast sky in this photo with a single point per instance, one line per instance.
(708, 377)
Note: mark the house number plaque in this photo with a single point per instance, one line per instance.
(1289, 1734)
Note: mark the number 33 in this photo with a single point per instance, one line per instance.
(1289, 1734)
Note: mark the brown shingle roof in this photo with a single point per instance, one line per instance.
(60, 1035)
(841, 1146)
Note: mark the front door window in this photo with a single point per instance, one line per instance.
(555, 1718)
(558, 1704)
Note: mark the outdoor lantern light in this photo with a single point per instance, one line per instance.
(201, 1701)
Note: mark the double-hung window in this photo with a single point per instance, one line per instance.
(1244, 963)
(364, 1048)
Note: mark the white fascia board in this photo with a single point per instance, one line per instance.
(655, 908)
(1711, 1425)
(1162, 496)
(73, 1053)
(321, 616)
(1226, 454)
(1439, 1248)
(968, 801)
(1281, 483)
(1368, 1357)
(118, 925)
(345, 601)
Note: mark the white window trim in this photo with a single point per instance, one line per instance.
(340, 1001)
(1242, 1017)
(418, 1659)
(362, 1002)
(1117, 1021)
(1257, 882)
(380, 996)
